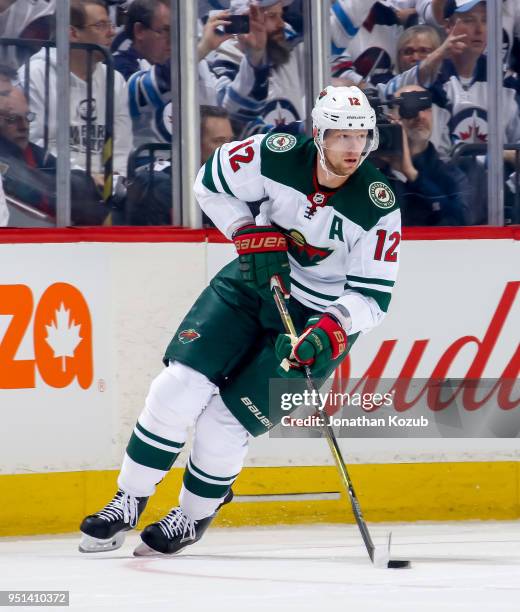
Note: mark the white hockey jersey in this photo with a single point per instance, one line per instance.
(262, 97)
(368, 31)
(343, 244)
(16, 18)
(78, 114)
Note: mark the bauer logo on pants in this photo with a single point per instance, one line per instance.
(188, 335)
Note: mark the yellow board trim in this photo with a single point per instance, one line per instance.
(56, 502)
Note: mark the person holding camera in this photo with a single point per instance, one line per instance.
(148, 68)
(260, 73)
(431, 192)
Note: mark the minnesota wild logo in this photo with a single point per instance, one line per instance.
(381, 195)
(188, 335)
(280, 143)
(304, 253)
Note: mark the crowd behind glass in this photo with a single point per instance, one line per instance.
(422, 63)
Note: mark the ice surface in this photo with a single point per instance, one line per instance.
(470, 566)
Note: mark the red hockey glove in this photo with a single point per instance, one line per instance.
(322, 340)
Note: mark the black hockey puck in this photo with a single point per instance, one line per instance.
(398, 564)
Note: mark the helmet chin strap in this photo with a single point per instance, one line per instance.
(323, 163)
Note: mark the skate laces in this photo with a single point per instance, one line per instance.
(176, 523)
(123, 507)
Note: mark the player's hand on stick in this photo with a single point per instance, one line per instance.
(262, 253)
(322, 340)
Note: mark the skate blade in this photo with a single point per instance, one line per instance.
(143, 550)
(88, 544)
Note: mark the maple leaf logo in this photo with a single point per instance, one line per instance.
(63, 335)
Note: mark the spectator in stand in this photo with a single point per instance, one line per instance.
(415, 44)
(145, 41)
(430, 191)
(260, 74)
(89, 24)
(456, 74)
(364, 33)
(150, 90)
(29, 175)
(149, 198)
(25, 19)
(215, 130)
(432, 12)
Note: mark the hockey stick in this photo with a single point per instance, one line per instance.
(378, 557)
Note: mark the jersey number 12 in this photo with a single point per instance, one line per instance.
(235, 159)
(390, 254)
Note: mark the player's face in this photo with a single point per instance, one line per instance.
(343, 148)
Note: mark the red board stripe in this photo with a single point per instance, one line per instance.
(177, 234)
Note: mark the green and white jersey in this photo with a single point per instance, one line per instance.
(343, 244)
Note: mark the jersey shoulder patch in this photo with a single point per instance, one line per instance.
(366, 197)
(280, 142)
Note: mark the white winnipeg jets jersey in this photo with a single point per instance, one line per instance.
(343, 244)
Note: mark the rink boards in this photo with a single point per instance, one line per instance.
(84, 318)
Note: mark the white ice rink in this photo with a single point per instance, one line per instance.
(472, 566)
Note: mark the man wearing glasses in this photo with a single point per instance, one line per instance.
(29, 174)
(89, 24)
(145, 41)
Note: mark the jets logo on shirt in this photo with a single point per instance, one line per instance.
(304, 253)
(381, 195)
(469, 126)
(280, 143)
(188, 335)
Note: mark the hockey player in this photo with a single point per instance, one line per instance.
(329, 230)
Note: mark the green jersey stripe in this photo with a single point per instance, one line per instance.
(323, 296)
(203, 489)
(371, 281)
(207, 179)
(175, 445)
(381, 297)
(149, 456)
(221, 176)
(194, 468)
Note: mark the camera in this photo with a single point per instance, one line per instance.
(390, 134)
(409, 103)
(239, 24)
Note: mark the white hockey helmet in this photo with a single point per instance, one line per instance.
(343, 108)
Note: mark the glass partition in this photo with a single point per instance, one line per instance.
(141, 86)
